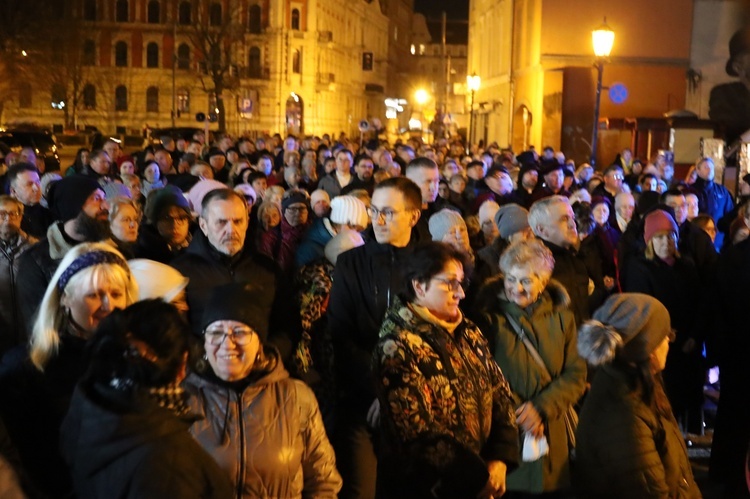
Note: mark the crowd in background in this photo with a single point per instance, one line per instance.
(367, 319)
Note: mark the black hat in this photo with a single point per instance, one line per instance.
(739, 44)
(294, 198)
(527, 157)
(163, 199)
(496, 170)
(214, 151)
(66, 197)
(239, 302)
(550, 165)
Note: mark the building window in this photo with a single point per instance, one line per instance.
(89, 53)
(214, 14)
(152, 100)
(24, 96)
(253, 63)
(152, 55)
(367, 61)
(89, 10)
(121, 98)
(121, 54)
(185, 13)
(295, 19)
(183, 101)
(89, 96)
(296, 62)
(153, 12)
(121, 11)
(183, 56)
(254, 19)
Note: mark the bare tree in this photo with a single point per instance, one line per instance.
(216, 36)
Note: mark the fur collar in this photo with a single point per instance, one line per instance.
(494, 291)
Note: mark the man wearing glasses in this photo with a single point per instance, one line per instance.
(610, 188)
(365, 283)
(13, 242)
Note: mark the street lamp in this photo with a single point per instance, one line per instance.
(421, 96)
(473, 81)
(603, 38)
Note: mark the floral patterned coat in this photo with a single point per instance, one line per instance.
(431, 382)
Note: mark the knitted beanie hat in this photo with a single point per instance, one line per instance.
(628, 325)
(156, 280)
(318, 196)
(295, 197)
(443, 221)
(246, 190)
(67, 196)
(487, 211)
(657, 221)
(116, 190)
(511, 218)
(349, 210)
(163, 199)
(239, 302)
(200, 190)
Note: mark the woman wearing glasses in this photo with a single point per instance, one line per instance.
(262, 427)
(447, 415)
(525, 314)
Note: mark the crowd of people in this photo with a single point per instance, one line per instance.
(318, 317)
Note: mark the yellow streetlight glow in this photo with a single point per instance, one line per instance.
(473, 82)
(421, 96)
(603, 38)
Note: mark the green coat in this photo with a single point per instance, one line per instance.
(550, 326)
(624, 449)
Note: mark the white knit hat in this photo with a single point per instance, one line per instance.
(487, 211)
(349, 210)
(443, 221)
(318, 196)
(156, 280)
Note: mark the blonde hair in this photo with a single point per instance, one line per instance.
(118, 202)
(52, 315)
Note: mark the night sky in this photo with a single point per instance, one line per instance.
(456, 9)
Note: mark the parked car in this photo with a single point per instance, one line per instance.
(44, 144)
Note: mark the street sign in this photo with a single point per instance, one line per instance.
(200, 117)
(618, 93)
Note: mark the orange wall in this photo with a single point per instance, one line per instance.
(652, 90)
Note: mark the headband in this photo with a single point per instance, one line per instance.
(89, 260)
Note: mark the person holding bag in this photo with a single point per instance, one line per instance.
(525, 315)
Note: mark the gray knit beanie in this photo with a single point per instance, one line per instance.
(628, 325)
(443, 221)
(511, 218)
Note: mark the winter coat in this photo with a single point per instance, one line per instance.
(280, 243)
(34, 405)
(366, 281)
(330, 183)
(129, 447)
(715, 200)
(152, 246)
(490, 256)
(312, 246)
(266, 434)
(36, 220)
(550, 327)
(12, 327)
(625, 449)
(432, 382)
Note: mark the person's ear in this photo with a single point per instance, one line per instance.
(415, 214)
(203, 224)
(419, 288)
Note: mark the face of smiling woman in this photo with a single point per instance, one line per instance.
(231, 349)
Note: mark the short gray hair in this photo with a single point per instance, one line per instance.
(539, 211)
(532, 253)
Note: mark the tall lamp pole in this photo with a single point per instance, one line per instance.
(473, 81)
(603, 38)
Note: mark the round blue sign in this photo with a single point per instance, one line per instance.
(618, 93)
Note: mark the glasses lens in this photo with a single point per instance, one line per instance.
(240, 336)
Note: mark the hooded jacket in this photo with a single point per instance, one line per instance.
(135, 449)
(11, 323)
(267, 434)
(550, 326)
(312, 246)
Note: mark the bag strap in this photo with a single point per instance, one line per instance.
(527, 343)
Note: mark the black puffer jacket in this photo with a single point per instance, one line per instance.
(12, 328)
(132, 448)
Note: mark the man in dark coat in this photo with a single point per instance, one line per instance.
(81, 211)
(553, 180)
(365, 284)
(218, 255)
(713, 199)
(25, 186)
(553, 221)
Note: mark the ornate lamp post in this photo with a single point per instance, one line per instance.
(603, 38)
(473, 81)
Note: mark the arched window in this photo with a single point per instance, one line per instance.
(89, 53)
(121, 54)
(152, 100)
(214, 14)
(89, 96)
(152, 55)
(296, 62)
(254, 22)
(24, 96)
(121, 11)
(154, 12)
(183, 56)
(253, 63)
(89, 10)
(121, 98)
(295, 19)
(185, 14)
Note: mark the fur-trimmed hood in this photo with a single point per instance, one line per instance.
(492, 294)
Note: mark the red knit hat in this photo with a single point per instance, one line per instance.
(656, 221)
